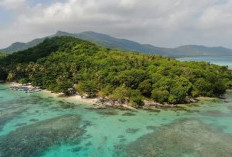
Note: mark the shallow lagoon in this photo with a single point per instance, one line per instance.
(42, 125)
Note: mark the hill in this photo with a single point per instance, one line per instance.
(62, 63)
(2, 55)
(127, 45)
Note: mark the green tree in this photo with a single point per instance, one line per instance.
(136, 98)
(160, 95)
(121, 93)
(145, 87)
(87, 87)
(64, 86)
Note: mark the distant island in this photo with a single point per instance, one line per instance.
(71, 65)
(127, 45)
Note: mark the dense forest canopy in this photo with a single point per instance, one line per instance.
(61, 63)
(2, 55)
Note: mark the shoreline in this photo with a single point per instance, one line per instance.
(93, 101)
(99, 102)
(74, 97)
(61, 95)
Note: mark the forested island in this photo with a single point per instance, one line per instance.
(67, 64)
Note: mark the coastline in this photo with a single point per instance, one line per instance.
(103, 103)
(93, 101)
(45, 91)
(73, 98)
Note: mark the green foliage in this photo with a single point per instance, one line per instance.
(180, 90)
(61, 63)
(160, 95)
(23, 81)
(2, 55)
(202, 87)
(64, 86)
(42, 50)
(136, 102)
(136, 98)
(145, 87)
(121, 93)
(106, 91)
(131, 78)
(88, 87)
(3, 74)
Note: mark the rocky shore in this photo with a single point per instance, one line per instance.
(107, 102)
(98, 102)
(27, 88)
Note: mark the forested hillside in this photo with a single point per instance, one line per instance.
(127, 45)
(61, 63)
(2, 55)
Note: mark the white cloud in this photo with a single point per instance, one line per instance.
(159, 22)
(217, 16)
(13, 4)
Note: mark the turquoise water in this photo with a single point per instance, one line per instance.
(223, 60)
(42, 125)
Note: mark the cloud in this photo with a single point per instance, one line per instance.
(13, 4)
(162, 23)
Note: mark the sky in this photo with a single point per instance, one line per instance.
(164, 23)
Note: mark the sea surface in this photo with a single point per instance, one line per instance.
(223, 60)
(41, 125)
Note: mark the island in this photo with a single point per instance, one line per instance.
(72, 66)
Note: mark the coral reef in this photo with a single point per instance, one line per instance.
(183, 138)
(33, 140)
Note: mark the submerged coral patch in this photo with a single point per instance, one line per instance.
(20, 124)
(122, 140)
(132, 131)
(214, 113)
(88, 144)
(7, 115)
(182, 138)
(77, 149)
(153, 110)
(104, 111)
(67, 105)
(151, 127)
(108, 111)
(128, 114)
(34, 120)
(33, 140)
(122, 120)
